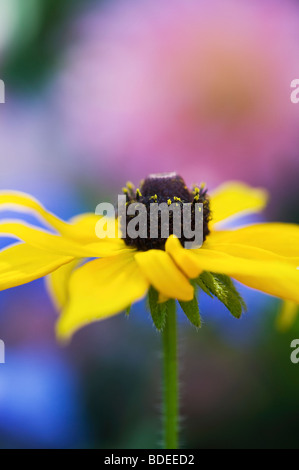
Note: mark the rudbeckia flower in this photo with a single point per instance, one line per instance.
(92, 279)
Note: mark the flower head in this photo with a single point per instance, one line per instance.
(262, 256)
(167, 188)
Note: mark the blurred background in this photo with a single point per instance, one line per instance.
(101, 92)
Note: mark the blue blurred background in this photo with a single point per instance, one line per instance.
(101, 92)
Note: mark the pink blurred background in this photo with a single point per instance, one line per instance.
(201, 87)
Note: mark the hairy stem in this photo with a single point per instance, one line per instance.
(171, 405)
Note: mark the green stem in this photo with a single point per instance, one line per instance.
(171, 405)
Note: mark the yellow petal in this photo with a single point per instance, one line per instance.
(178, 254)
(235, 199)
(255, 268)
(100, 289)
(162, 298)
(22, 263)
(164, 275)
(57, 283)
(287, 315)
(279, 238)
(60, 245)
(25, 203)
(81, 227)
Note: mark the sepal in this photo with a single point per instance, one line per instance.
(191, 310)
(223, 288)
(157, 309)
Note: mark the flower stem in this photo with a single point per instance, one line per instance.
(171, 405)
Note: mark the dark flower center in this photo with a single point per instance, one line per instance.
(167, 188)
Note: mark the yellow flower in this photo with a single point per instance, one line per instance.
(263, 256)
(287, 315)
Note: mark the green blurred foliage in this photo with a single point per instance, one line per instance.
(37, 42)
(233, 394)
(255, 405)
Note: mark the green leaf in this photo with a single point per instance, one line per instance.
(236, 304)
(203, 286)
(128, 310)
(191, 310)
(158, 310)
(222, 287)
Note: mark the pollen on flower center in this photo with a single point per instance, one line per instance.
(167, 188)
